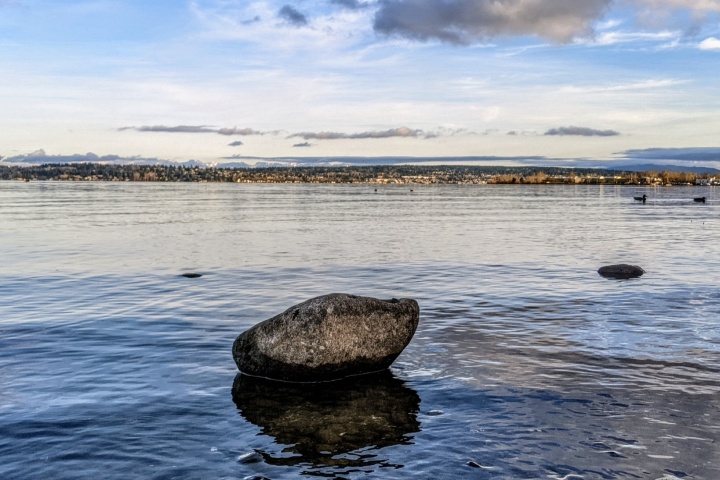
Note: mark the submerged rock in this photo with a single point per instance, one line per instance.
(621, 271)
(328, 338)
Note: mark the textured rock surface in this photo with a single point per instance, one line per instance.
(327, 338)
(621, 271)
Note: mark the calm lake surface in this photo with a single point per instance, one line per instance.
(526, 364)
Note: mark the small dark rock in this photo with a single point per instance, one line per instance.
(328, 338)
(473, 464)
(191, 275)
(621, 271)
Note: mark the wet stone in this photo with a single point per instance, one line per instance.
(328, 338)
(251, 457)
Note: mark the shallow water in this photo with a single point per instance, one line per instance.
(526, 364)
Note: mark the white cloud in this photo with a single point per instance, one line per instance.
(619, 37)
(710, 43)
(644, 86)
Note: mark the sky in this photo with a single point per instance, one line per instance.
(219, 81)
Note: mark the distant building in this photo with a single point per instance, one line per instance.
(707, 181)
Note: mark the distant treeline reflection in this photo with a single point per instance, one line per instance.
(385, 174)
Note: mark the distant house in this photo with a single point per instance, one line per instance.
(707, 181)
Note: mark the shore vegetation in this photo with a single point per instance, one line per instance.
(385, 174)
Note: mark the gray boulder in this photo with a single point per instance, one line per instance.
(328, 338)
(621, 271)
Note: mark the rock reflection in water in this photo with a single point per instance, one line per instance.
(323, 422)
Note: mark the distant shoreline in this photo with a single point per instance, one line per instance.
(372, 175)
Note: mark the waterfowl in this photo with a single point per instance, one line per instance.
(641, 199)
(699, 199)
(191, 275)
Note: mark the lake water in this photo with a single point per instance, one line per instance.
(526, 364)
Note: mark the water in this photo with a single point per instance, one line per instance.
(526, 364)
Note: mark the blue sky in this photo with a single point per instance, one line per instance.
(212, 80)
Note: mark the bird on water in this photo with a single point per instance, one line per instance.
(699, 199)
(641, 199)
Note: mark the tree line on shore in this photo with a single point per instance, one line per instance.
(378, 174)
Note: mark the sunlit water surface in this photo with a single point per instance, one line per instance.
(526, 364)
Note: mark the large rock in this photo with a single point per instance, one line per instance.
(621, 271)
(327, 338)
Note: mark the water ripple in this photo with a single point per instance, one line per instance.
(526, 363)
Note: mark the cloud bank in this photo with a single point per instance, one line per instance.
(239, 131)
(462, 22)
(194, 129)
(393, 132)
(177, 129)
(691, 154)
(582, 131)
(403, 132)
(40, 157)
(467, 21)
